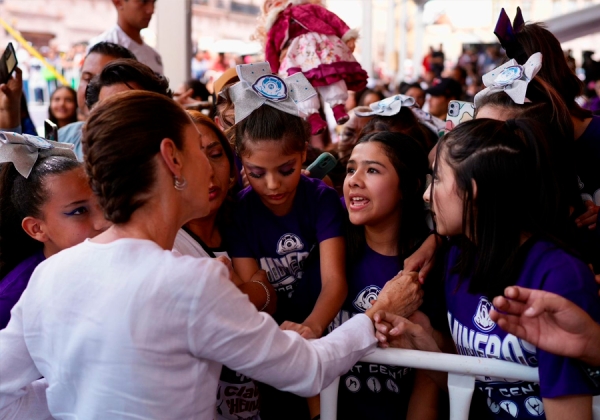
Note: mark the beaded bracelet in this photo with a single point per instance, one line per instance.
(267, 292)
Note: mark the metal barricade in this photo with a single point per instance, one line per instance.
(462, 371)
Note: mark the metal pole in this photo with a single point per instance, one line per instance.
(390, 43)
(173, 39)
(367, 37)
(420, 37)
(403, 42)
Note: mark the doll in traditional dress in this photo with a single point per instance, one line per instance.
(303, 36)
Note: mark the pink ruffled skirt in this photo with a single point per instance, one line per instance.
(324, 60)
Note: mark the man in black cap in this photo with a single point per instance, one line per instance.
(441, 93)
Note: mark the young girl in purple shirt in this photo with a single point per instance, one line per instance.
(51, 209)
(287, 224)
(383, 190)
(493, 194)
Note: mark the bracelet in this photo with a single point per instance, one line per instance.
(267, 292)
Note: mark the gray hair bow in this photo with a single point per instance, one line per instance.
(511, 78)
(24, 150)
(388, 106)
(258, 86)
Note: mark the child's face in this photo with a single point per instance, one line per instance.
(273, 175)
(71, 213)
(372, 187)
(447, 206)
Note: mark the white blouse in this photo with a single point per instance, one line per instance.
(127, 330)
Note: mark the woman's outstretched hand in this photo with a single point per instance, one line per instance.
(414, 333)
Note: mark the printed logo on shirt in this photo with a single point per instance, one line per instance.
(284, 272)
(470, 342)
(352, 383)
(482, 319)
(534, 406)
(363, 299)
(289, 243)
(510, 407)
(237, 396)
(374, 384)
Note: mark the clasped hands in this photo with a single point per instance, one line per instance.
(397, 321)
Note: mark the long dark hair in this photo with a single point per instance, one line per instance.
(534, 37)
(410, 162)
(516, 185)
(22, 197)
(72, 118)
(547, 108)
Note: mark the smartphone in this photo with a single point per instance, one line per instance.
(322, 165)
(8, 63)
(50, 130)
(458, 112)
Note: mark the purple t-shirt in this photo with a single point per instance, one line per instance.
(14, 283)
(282, 244)
(370, 390)
(546, 267)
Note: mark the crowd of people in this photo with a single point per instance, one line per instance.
(160, 261)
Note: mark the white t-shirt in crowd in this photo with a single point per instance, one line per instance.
(186, 245)
(143, 52)
(128, 330)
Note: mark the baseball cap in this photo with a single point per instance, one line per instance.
(228, 76)
(445, 87)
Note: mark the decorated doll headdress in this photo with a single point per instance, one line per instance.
(258, 86)
(388, 106)
(23, 150)
(506, 34)
(511, 78)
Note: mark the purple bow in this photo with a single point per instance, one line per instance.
(506, 33)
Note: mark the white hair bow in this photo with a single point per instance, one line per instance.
(388, 106)
(258, 86)
(24, 150)
(511, 78)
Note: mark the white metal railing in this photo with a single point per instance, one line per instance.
(462, 371)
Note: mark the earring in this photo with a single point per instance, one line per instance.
(179, 184)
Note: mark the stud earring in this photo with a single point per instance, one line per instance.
(179, 184)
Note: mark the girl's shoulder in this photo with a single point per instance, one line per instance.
(22, 272)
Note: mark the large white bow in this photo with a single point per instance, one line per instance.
(24, 150)
(388, 106)
(258, 86)
(511, 78)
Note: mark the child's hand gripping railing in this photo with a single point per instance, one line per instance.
(462, 371)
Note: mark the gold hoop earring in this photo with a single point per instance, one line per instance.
(179, 184)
